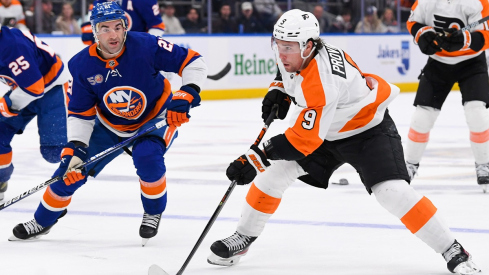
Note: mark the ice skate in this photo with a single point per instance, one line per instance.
(32, 230)
(482, 171)
(228, 251)
(149, 227)
(459, 261)
(3, 188)
(412, 169)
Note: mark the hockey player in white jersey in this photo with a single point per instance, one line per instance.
(453, 57)
(340, 117)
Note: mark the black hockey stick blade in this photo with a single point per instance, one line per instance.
(155, 269)
(222, 73)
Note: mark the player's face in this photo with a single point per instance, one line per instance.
(290, 54)
(111, 36)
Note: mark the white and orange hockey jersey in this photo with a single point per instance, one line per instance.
(334, 100)
(444, 14)
(13, 12)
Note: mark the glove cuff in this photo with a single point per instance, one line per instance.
(277, 85)
(422, 31)
(478, 41)
(260, 153)
(194, 101)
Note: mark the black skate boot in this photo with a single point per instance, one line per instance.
(32, 230)
(459, 260)
(149, 227)
(482, 171)
(3, 188)
(228, 251)
(412, 169)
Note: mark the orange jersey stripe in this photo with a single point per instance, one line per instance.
(151, 115)
(261, 201)
(37, 88)
(54, 71)
(90, 112)
(410, 24)
(419, 215)
(190, 55)
(480, 137)
(153, 188)
(159, 26)
(5, 158)
(93, 52)
(367, 113)
(55, 201)
(418, 137)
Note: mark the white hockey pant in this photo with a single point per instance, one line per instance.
(265, 195)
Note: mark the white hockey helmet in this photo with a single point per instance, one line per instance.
(296, 25)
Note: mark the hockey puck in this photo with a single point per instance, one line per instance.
(342, 182)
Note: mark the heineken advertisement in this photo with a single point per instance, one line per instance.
(244, 66)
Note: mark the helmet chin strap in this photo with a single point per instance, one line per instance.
(304, 58)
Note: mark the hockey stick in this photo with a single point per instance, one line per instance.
(91, 160)
(155, 269)
(222, 73)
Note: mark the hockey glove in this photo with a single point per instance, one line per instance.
(276, 95)
(6, 107)
(179, 107)
(244, 169)
(71, 157)
(460, 41)
(426, 40)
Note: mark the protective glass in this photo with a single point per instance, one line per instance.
(106, 30)
(285, 47)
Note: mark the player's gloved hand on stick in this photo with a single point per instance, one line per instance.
(276, 95)
(244, 169)
(426, 38)
(178, 109)
(6, 107)
(454, 41)
(71, 157)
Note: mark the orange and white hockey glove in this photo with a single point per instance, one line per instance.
(71, 157)
(178, 109)
(6, 107)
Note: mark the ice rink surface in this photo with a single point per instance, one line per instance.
(341, 230)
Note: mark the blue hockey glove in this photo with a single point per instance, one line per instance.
(178, 109)
(71, 157)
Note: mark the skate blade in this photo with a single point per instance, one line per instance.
(144, 241)
(467, 268)
(156, 270)
(216, 260)
(484, 187)
(15, 239)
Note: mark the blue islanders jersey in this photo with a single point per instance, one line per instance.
(142, 15)
(29, 66)
(126, 91)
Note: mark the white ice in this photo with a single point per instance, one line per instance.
(341, 230)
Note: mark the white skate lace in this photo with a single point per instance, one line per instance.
(454, 250)
(151, 220)
(33, 227)
(236, 241)
(482, 170)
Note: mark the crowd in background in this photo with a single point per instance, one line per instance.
(228, 16)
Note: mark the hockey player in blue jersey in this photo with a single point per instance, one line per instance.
(32, 81)
(117, 91)
(142, 16)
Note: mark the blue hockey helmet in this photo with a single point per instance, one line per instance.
(107, 11)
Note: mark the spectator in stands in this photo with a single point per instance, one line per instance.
(389, 21)
(48, 17)
(12, 15)
(371, 22)
(249, 23)
(66, 21)
(318, 12)
(192, 23)
(268, 11)
(225, 23)
(343, 23)
(172, 23)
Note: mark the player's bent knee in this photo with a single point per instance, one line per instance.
(424, 118)
(147, 155)
(476, 116)
(51, 153)
(396, 196)
(278, 177)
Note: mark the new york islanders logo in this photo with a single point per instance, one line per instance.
(9, 81)
(124, 101)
